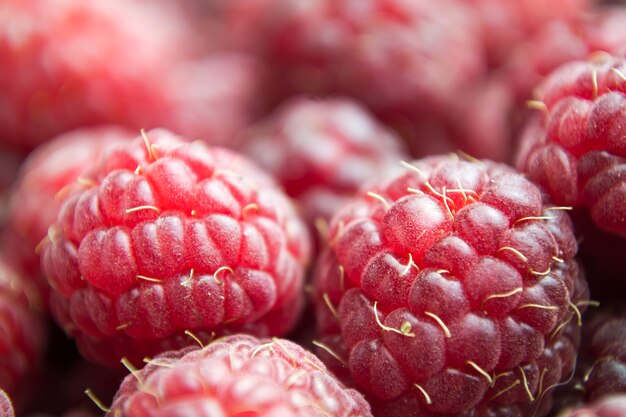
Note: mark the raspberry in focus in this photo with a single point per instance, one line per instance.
(575, 147)
(452, 287)
(165, 240)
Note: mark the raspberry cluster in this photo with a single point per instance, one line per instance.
(165, 165)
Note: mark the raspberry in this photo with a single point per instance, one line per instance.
(453, 286)
(604, 30)
(322, 151)
(372, 50)
(210, 99)
(237, 376)
(608, 407)
(72, 63)
(165, 238)
(21, 335)
(575, 149)
(51, 169)
(506, 24)
(607, 372)
(407, 61)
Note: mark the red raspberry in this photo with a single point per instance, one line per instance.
(507, 23)
(559, 41)
(47, 174)
(166, 237)
(388, 53)
(210, 99)
(21, 332)
(451, 284)
(607, 407)
(407, 61)
(322, 151)
(604, 30)
(71, 64)
(237, 376)
(606, 373)
(575, 149)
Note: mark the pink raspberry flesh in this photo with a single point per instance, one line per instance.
(165, 239)
(45, 176)
(451, 284)
(574, 149)
(322, 151)
(237, 376)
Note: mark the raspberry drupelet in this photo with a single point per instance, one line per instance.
(575, 148)
(235, 376)
(165, 240)
(450, 287)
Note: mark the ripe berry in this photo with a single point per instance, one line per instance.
(21, 333)
(46, 175)
(163, 238)
(408, 61)
(452, 287)
(237, 376)
(70, 63)
(322, 151)
(506, 24)
(575, 148)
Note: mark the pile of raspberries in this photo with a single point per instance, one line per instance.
(312, 208)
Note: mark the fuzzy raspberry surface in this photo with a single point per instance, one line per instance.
(45, 176)
(575, 147)
(614, 406)
(166, 237)
(450, 285)
(237, 376)
(322, 151)
(69, 63)
(21, 333)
